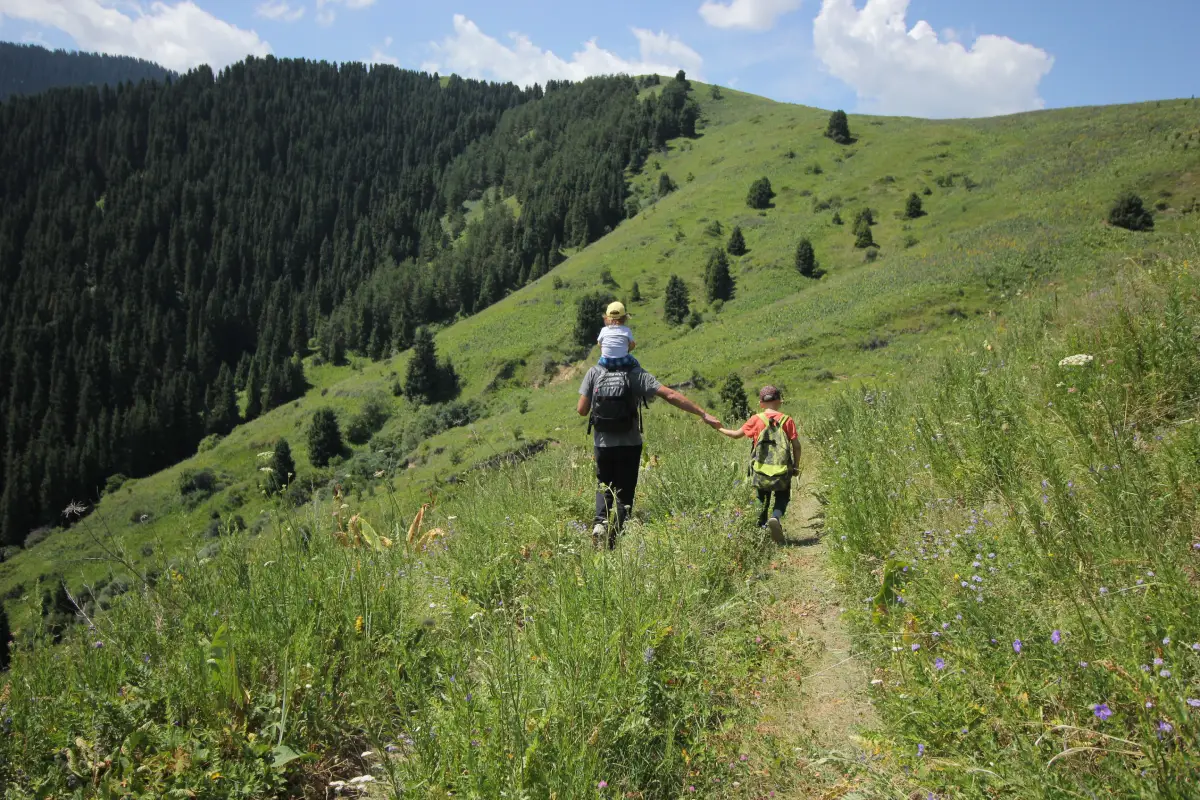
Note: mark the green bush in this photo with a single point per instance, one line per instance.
(1128, 212)
(760, 194)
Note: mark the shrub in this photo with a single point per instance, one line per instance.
(694, 319)
(806, 258)
(838, 128)
(675, 301)
(209, 442)
(718, 283)
(760, 194)
(837, 218)
(910, 240)
(556, 283)
(872, 254)
(37, 536)
(733, 398)
(927, 191)
(606, 277)
(665, 185)
(197, 484)
(114, 483)
(913, 208)
(1129, 213)
(714, 228)
(324, 438)
(737, 242)
(813, 169)
(823, 375)
(635, 293)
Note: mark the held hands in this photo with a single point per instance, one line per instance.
(711, 421)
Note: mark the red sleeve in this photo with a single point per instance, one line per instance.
(752, 427)
(789, 428)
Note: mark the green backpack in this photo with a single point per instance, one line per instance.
(771, 462)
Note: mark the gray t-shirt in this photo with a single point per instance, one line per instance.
(643, 383)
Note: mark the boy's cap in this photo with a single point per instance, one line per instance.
(616, 310)
(768, 393)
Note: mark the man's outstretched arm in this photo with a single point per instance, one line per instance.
(683, 404)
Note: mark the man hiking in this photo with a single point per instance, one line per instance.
(612, 400)
(774, 458)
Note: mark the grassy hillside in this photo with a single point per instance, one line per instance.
(1039, 187)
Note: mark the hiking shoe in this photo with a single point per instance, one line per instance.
(775, 529)
(599, 534)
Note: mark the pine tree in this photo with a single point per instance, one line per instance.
(737, 242)
(863, 237)
(324, 438)
(1130, 213)
(718, 283)
(837, 218)
(5, 639)
(222, 406)
(254, 392)
(914, 207)
(839, 128)
(421, 377)
(733, 397)
(282, 466)
(806, 259)
(675, 301)
(589, 318)
(760, 194)
(635, 293)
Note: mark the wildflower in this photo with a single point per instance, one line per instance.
(1193, 703)
(1016, 645)
(1158, 662)
(920, 750)
(1055, 636)
(98, 645)
(939, 664)
(745, 757)
(1149, 704)
(602, 785)
(1103, 590)
(1083, 664)
(916, 647)
(1164, 726)
(1150, 574)
(946, 626)
(1166, 640)
(648, 656)
(74, 509)
(1102, 711)
(358, 624)
(1078, 360)
(1164, 673)
(1145, 668)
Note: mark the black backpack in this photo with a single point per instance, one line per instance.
(615, 405)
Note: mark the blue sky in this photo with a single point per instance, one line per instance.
(939, 58)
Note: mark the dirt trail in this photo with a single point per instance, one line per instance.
(819, 703)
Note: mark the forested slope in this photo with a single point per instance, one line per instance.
(164, 247)
(28, 69)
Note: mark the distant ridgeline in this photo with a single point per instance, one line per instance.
(166, 246)
(29, 69)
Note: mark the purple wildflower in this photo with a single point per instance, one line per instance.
(1164, 726)
(1083, 664)
(1102, 711)
(1164, 673)
(1166, 640)
(1016, 645)
(1193, 703)
(916, 647)
(1055, 636)
(939, 664)
(1103, 590)
(920, 750)
(1158, 662)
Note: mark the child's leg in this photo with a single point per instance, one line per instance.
(764, 500)
(781, 503)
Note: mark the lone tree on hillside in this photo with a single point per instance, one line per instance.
(863, 237)
(760, 194)
(914, 208)
(1129, 213)
(427, 380)
(589, 317)
(324, 438)
(5, 636)
(733, 397)
(737, 242)
(665, 185)
(635, 293)
(681, 76)
(675, 301)
(282, 466)
(717, 280)
(806, 258)
(839, 128)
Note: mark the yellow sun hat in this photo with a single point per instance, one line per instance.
(616, 310)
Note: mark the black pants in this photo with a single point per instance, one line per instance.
(781, 503)
(617, 472)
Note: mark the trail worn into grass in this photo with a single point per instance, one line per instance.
(818, 705)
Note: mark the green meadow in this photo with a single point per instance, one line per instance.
(237, 641)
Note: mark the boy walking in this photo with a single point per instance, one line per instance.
(774, 458)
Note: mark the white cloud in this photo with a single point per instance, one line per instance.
(279, 10)
(896, 70)
(178, 36)
(326, 15)
(380, 55)
(472, 53)
(756, 15)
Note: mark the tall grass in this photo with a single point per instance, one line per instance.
(1023, 540)
(506, 658)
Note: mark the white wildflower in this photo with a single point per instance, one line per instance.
(266, 469)
(361, 779)
(1079, 360)
(266, 454)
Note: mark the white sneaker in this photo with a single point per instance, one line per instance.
(599, 530)
(775, 529)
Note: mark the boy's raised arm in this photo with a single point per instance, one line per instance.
(733, 434)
